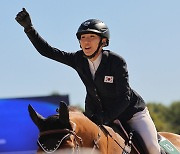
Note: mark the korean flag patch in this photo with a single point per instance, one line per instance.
(108, 79)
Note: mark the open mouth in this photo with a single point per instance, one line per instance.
(87, 48)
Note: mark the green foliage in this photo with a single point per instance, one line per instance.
(166, 118)
(175, 116)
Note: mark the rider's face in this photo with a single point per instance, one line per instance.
(89, 43)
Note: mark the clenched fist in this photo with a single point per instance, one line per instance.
(23, 18)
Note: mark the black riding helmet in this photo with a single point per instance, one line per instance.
(94, 26)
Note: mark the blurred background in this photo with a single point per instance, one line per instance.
(145, 33)
(17, 131)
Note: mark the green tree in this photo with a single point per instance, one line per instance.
(166, 118)
(159, 114)
(175, 116)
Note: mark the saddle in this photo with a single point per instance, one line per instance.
(132, 137)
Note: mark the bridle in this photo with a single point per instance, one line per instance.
(77, 139)
(67, 135)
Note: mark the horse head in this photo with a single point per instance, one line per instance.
(68, 128)
(56, 131)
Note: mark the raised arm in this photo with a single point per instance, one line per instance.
(23, 18)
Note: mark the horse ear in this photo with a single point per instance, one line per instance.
(36, 117)
(63, 112)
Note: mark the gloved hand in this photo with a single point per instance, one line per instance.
(97, 119)
(23, 18)
(106, 119)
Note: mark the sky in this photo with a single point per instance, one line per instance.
(145, 33)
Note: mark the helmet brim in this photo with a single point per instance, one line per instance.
(89, 31)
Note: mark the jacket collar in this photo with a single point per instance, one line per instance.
(102, 65)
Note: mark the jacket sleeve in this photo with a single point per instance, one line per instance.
(48, 51)
(123, 92)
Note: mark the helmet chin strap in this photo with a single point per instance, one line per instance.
(94, 54)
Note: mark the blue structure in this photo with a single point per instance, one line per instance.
(17, 131)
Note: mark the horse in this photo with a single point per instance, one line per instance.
(70, 131)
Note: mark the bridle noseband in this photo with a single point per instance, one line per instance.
(67, 135)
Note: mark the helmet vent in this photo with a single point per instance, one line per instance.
(86, 23)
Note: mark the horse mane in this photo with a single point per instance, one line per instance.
(74, 109)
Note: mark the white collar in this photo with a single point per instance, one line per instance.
(93, 65)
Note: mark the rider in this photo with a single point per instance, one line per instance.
(105, 76)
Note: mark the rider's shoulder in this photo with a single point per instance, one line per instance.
(114, 56)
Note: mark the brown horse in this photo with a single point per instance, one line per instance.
(70, 131)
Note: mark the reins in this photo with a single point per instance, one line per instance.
(108, 133)
(126, 149)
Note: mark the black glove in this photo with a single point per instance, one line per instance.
(106, 119)
(97, 119)
(23, 18)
